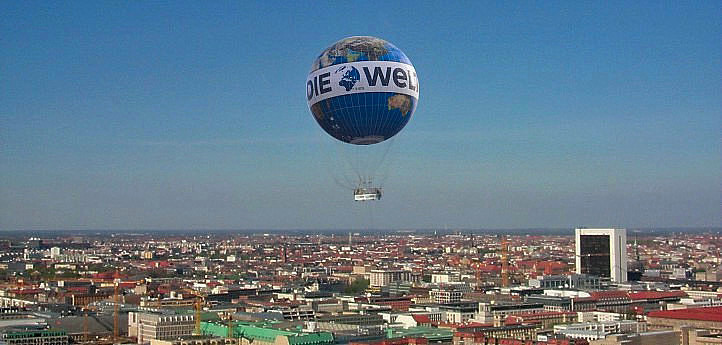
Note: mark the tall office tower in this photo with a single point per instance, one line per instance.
(602, 252)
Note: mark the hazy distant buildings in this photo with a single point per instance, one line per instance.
(602, 252)
(54, 252)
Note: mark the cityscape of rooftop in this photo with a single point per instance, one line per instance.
(364, 289)
(458, 173)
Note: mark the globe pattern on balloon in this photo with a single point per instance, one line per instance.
(362, 118)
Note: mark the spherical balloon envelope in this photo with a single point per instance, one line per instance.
(362, 90)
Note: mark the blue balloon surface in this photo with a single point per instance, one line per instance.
(368, 117)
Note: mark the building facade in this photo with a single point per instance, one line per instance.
(448, 293)
(34, 337)
(602, 253)
(379, 278)
(709, 318)
(149, 326)
(574, 281)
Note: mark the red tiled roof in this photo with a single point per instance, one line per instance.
(421, 318)
(512, 320)
(656, 294)
(26, 291)
(546, 313)
(609, 294)
(461, 326)
(697, 314)
(103, 275)
(163, 263)
(127, 285)
(489, 268)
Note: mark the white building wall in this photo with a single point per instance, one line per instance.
(617, 248)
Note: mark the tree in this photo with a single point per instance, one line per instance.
(359, 285)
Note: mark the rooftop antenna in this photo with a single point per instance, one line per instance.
(636, 247)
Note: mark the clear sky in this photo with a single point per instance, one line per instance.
(192, 115)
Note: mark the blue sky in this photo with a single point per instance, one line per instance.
(192, 115)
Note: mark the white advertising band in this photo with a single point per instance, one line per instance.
(360, 77)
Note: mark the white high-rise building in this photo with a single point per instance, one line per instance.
(602, 252)
(54, 252)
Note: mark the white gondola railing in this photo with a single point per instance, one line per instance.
(366, 194)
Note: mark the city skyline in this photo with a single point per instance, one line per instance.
(402, 288)
(189, 116)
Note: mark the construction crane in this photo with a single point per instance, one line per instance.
(197, 317)
(230, 326)
(88, 308)
(198, 305)
(504, 262)
(86, 332)
(116, 307)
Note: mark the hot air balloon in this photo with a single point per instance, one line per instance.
(362, 91)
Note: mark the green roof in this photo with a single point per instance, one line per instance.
(205, 315)
(261, 331)
(33, 334)
(311, 338)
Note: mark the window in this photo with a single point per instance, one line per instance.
(594, 252)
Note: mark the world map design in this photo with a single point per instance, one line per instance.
(358, 48)
(401, 102)
(361, 118)
(350, 77)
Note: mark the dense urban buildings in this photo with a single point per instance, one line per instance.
(394, 288)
